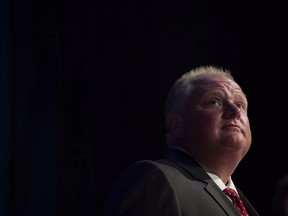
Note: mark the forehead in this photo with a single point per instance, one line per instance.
(203, 84)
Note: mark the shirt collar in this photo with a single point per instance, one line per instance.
(214, 177)
(220, 183)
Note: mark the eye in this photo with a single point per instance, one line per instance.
(214, 102)
(241, 105)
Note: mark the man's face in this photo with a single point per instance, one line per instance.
(215, 119)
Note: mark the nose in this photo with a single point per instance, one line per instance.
(232, 111)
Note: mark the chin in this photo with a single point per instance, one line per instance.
(234, 143)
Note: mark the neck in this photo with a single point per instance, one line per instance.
(223, 167)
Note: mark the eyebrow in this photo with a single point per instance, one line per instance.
(238, 95)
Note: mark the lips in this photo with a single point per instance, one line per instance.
(231, 126)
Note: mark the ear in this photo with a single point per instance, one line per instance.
(175, 123)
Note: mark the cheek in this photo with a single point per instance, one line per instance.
(246, 125)
(249, 134)
(246, 134)
(208, 120)
(202, 123)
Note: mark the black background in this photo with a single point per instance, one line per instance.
(107, 67)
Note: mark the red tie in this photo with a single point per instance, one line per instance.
(236, 201)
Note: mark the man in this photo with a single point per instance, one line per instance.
(208, 134)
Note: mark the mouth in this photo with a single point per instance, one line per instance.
(231, 127)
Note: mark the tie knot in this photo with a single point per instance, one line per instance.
(231, 193)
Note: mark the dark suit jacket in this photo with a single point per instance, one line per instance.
(173, 186)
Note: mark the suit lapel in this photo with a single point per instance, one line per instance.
(221, 198)
(186, 162)
(249, 207)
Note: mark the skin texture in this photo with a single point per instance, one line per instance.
(214, 127)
